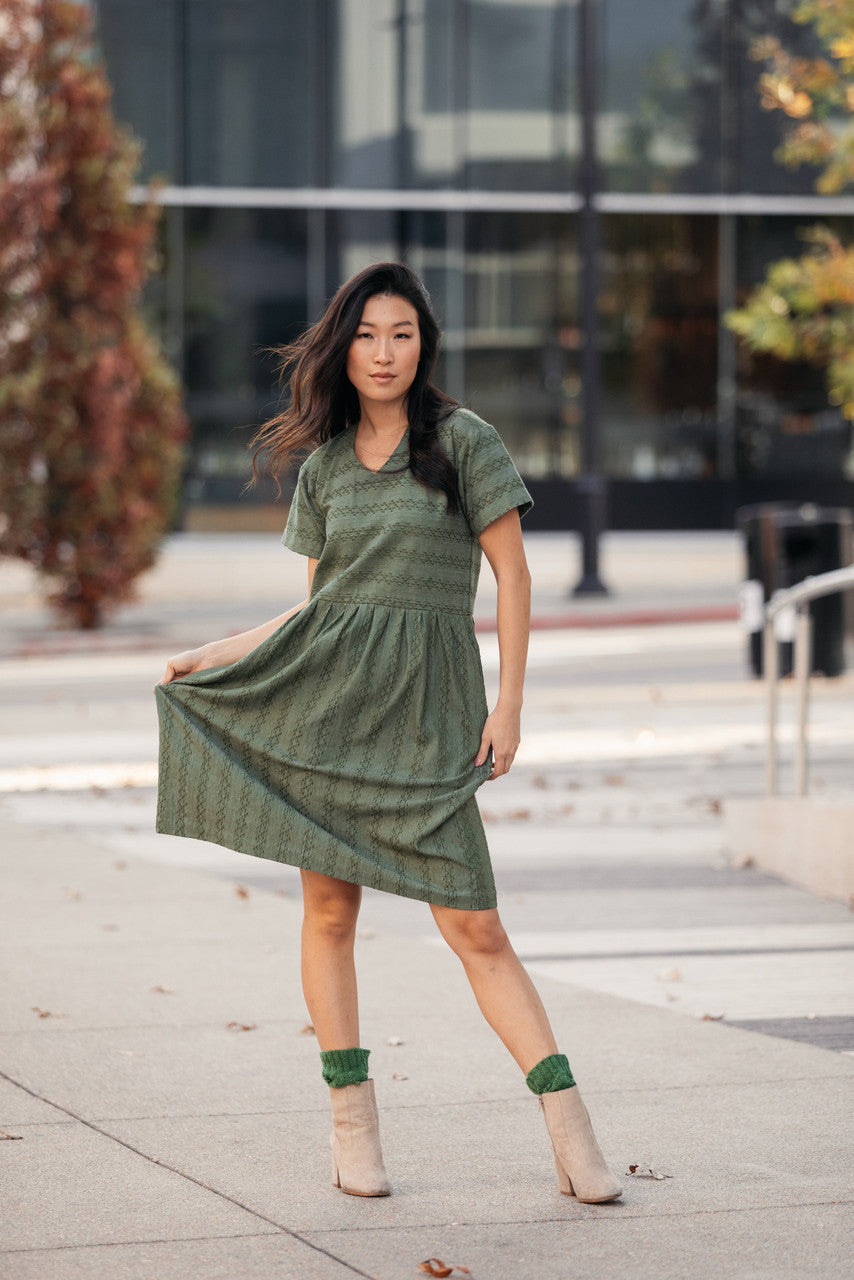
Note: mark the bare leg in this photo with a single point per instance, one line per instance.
(330, 912)
(506, 995)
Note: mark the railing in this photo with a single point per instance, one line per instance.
(797, 599)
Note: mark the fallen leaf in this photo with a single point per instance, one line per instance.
(614, 780)
(715, 805)
(711, 1017)
(73, 895)
(572, 785)
(394, 1041)
(669, 975)
(120, 865)
(164, 991)
(541, 783)
(46, 1013)
(637, 1172)
(241, 891)
(518, 815)
(436, 1267)
(398, 1075)
(566, 809)
(308, 1029)
(241, 1026)
(10, 1137)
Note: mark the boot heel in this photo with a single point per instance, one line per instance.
(564, 1181)
(336, 1176)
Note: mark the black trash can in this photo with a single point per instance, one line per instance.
(785, 544)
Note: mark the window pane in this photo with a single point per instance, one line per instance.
(658, 309)
(245, 291)
(140, 40)
(249, 88)
(660, 102)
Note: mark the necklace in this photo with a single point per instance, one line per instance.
(379, 453)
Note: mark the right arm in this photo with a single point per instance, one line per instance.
(220, 653)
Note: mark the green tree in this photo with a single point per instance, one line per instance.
(91, 417)
(804, 309)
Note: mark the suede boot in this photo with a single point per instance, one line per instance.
(357, 1160)
(581, 1168)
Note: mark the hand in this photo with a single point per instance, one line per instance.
(190, 660)
(502, 733)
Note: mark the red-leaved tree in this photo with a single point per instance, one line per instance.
(91, 417)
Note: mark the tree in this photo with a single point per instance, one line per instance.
(91, 418)
(804, 309)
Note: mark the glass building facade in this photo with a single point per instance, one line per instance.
(299, 140)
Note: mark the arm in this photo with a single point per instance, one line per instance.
(502, 545)
(219, 653)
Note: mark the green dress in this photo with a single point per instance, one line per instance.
(345, 742)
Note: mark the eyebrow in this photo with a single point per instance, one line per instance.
(369, 324)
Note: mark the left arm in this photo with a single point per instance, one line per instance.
(502, 545)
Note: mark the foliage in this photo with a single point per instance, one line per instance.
(91, 421)
(816, 92)
(804, 309)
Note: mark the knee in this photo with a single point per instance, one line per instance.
(332, 915)
(474, 933)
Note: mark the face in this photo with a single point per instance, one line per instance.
(383, 356)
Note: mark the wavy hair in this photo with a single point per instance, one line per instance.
(323, 401)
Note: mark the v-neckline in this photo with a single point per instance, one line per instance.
(396, 448)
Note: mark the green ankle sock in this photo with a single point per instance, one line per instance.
(551, 1074)
(344, 1066)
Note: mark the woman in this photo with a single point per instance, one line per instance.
(348, 736)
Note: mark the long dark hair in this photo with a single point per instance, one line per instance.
(323, 400)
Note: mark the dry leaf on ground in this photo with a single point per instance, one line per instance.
(614, 780)
(637, 1172)
(241, 1026)
(308, 1029)
(163, 991)
(10, 1137)
(241, 891)
(398, 1075)
(711, 1017)
(120, 865)
(518, 815)
(436, 1267)
(47, 1013)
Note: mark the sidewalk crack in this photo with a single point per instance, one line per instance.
(188, 1177)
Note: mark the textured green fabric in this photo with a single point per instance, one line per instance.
(344, 1066)
(550, 1075)
(345, 742)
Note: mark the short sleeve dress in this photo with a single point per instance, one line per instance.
(345, 742)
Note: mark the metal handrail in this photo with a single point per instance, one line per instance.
(797, 598)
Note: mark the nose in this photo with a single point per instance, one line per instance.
(383, 353)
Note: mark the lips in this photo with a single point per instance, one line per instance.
(382, 377)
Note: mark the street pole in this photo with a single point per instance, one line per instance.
(590, 486)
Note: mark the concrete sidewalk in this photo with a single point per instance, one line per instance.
(206, 585)
(165, 1117)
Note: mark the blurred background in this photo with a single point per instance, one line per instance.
(300, 141)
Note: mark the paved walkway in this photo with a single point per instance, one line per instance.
(160, 1096)
(165, 1116)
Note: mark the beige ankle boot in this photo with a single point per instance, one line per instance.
(581, 1168)
(357, 1161)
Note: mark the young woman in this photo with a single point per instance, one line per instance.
(348, 736)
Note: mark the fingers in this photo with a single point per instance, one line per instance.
(483, 749)
(501, 763)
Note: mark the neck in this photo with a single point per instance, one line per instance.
(382, 420)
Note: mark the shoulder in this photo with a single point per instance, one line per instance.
(465, 431)
(320, 459)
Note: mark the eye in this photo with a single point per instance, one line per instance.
(364, 335)
(403, 335)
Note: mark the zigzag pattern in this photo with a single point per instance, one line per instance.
(345, 743)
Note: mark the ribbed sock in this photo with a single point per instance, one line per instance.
(344, 1066)
(551, 1074)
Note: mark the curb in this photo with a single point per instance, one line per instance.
(55, 644)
